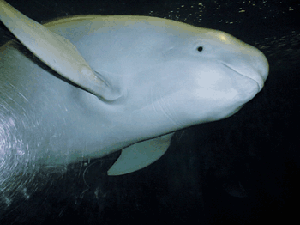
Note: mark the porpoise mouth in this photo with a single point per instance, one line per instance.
(250, 73)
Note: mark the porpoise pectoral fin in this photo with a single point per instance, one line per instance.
(55, 51)
(140, 155)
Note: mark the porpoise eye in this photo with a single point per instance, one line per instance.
(200, 49)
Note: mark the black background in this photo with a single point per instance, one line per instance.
(242, 170)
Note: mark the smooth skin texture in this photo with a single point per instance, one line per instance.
(169, 75)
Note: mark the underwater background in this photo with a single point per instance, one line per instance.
(239, 170)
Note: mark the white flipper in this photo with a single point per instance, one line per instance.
(55, 51)
(140, 155)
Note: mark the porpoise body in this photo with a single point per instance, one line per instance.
(168, 75)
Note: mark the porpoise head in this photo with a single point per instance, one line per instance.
(168, 71)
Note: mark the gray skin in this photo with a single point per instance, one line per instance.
(166, 83)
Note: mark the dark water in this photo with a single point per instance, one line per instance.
(240, 170)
